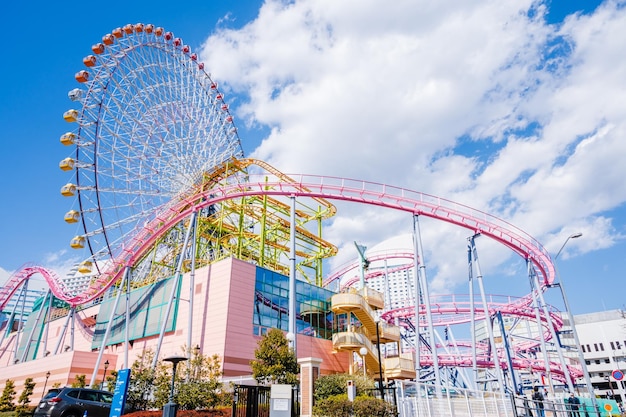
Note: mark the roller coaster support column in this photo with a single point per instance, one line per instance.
(424, 289)
(70, 317)
(572, 323)
(479, 278)
(10, 320)
(127, 323)
(293, 331)
(387, 289)
(472, 315)
(29, 341)
(107, 331)
(192, 286)
(178, 277)
(559, 351)
(505, 340)
(534, 290)
(46, 327)
(20, 328)
(416, 296)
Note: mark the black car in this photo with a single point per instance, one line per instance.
(74, 402)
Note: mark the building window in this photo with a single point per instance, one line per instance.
(602, 346)
(613, 345)
(595, 346)
(583, 347)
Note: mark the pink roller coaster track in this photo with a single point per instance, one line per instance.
(332, 188)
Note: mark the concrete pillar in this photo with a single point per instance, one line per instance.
(309, 372)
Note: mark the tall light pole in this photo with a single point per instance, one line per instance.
(170, 409)
(570, 317)
(572, 236)
(380, 362)
(104, 377)
(44, 384)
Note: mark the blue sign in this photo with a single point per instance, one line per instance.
(119, 395)
(618, 375)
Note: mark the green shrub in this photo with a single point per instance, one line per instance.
(333, 406)
(363, 406)
(336, 384)
(369, 407)
(25, 411)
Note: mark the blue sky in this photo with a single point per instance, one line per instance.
(515, 108)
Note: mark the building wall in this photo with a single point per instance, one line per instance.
(221, 323)
(602, 337)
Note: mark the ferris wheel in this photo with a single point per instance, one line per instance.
(149, 123)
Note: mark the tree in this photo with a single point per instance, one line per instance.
(24, 399)
(8, 395)
(140, 385)
(80, 381)
(275, 362)
(109, 383)
(197, 383)
(337, 384)
(201, 385)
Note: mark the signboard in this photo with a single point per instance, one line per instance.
(280, 400)
(119, 395)
(617, 375)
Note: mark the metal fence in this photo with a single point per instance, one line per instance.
(254, 401)
(425, 400)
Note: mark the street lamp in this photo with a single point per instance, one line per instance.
(572, 236)
(169, 410)
(44, 384)
(104, 377)
(363, 352)
(570, 317)
(380, 362)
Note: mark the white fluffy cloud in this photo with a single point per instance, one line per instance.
(480, 102)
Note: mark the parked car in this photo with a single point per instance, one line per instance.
(74, 402)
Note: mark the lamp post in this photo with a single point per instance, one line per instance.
(570, 317)
(44, 384)
(572, 236)
(169, 410)
(104, 377)
(380, 362)
(363, 352)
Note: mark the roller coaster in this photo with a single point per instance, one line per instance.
(246, 214)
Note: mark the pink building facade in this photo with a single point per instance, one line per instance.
(222, 323)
